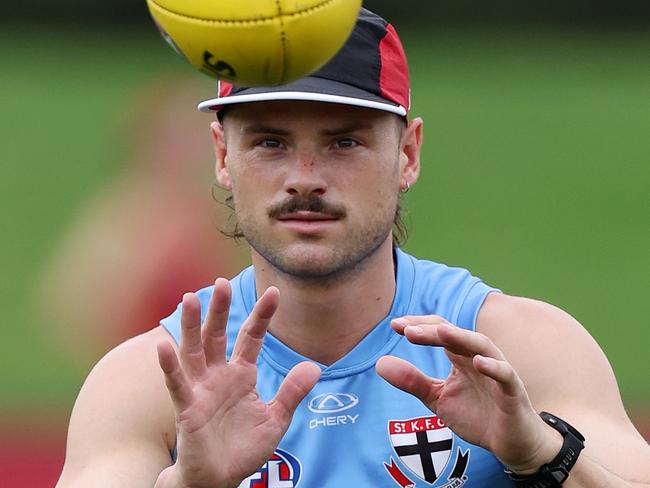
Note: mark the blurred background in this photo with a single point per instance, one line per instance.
(536, 177)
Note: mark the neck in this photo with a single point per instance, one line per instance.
(324, 321)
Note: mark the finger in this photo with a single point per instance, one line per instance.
(402, 322)
(175, 380)
(405, 376)
(464, 363)
(298, 383)
(216, 319)
(464, 366)
(251, 335)
(425, 334)
(500, 371)
(454, 339)
(467, 342)
(191, 347)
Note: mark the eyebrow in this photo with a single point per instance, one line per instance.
(346, 129)
(265, 129)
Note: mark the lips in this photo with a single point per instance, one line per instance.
(307, 216)
(307, 223)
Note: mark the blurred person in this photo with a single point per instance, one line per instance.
(145, 237)
(287, 373)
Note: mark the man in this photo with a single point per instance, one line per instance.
(315, 169)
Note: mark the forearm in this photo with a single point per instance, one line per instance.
(170, 478)
(164, 481)
(589, 473)
(589, 470)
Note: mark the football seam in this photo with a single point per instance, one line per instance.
(244, 21)
(283, 41)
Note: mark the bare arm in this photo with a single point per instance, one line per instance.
(566, 373)
(122, 425)
(527, 356)
(148, 395)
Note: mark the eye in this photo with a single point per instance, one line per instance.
(270, 143)
(346, 143)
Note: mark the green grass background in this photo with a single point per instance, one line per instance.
(535, 173)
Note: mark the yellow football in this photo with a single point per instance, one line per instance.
(256, 42)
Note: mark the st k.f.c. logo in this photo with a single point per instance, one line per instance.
(282, 470)
(424, 445)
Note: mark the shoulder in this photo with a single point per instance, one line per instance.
(554, 355)
(503, 317)
(123, 411)
(127, 386)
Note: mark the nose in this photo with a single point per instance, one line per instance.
(305, 176)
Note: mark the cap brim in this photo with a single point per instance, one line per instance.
(310, 88)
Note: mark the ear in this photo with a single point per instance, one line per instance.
(221, 168)
(411, 148)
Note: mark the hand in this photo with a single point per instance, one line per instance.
(483, 400)
(224, 431)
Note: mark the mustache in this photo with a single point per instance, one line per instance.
(311, 203)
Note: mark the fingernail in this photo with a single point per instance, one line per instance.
(401, 322)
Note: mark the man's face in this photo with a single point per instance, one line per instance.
(315, 185)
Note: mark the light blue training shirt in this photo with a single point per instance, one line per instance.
(354, 429)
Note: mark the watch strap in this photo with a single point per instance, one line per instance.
(554, 473)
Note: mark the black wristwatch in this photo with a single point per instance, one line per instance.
(555, 473)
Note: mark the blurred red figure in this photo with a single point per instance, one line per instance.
(144, 238)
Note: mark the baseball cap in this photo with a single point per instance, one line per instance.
(369, 71)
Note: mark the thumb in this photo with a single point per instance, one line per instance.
(403, 375)
(298, 383)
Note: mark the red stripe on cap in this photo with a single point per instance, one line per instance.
(225, 88)
(394, 77)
